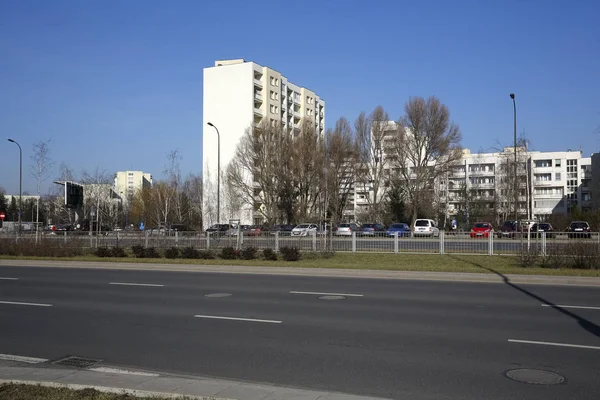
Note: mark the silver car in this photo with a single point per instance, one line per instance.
(346, 229)
(304, 229)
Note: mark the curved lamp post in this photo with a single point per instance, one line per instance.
(512, 96)
(218, 172)
(20, 180)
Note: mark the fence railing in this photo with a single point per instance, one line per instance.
(379, 242)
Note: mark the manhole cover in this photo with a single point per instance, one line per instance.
(535, 376)
(78, 362)
(217, 295)
(332, 297)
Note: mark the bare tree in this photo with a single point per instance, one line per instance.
(340, 164)
(173, 173)
(426, 147)
(98, 191)
(192, 189)
(40, 169)
(371, 133)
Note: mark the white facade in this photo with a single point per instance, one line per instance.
(128, 182)
(238, 95)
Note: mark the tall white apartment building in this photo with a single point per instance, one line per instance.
(128, 182)
(237, 95)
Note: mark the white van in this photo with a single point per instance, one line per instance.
(425, 227)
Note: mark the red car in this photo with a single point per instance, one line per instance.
(254, 230)
(482, 229)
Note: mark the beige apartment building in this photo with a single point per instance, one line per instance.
(239, 94)
(128, 182)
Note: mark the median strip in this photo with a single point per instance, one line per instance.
(135, 284)
(121, 371)
(267, 321)
(3, 278)
(564, 306)
(18, 303)
(327, 294)
(579, 346)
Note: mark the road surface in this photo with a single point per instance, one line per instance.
(394, 339)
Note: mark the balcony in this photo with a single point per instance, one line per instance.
(543, 183)
(482, 173)
(483, 185)
(258, 82)
(257, 113)
(258, 96)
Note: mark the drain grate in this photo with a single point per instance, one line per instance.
(76, 361)
(535, 376)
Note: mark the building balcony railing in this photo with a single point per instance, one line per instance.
(258, 82)
(258, 96)
(544, 183)
(483, 185)
(482, 173)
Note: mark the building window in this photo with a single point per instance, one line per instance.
(557, 176)
(557, 163)
(543, 163)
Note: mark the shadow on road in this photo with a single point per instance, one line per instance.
(584, 323)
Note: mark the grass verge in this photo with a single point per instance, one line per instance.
(11, 391)
(364, 261)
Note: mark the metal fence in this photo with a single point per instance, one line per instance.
(445, 243)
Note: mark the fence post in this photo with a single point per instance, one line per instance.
(146, 239)
(543, 244)
(314, 240)
(207, 240)
(91, 240)
(277, 241)
(441, 238)
(117, 239)
(65, 237)
(396, 242)
(353, 242)
(491, 244)
(176, 238)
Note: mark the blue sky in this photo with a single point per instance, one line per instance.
(116, 85)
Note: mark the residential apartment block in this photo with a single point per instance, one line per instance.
(128, 182)
(237, 95)
(547, 182)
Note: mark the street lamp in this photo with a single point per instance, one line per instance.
(512, 96)
(218, 172)
(20, 180)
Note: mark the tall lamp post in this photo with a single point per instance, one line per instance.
(512, 96)
(20, 180)
(218, 172)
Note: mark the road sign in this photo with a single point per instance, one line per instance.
(2, 216)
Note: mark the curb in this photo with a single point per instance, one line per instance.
(106, 389)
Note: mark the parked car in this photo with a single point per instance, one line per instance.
(284, 229)
(402, 229)
(482, 229)
(425, 227)
(511, 229)
(579, 229)
(540, 227)
(219, 229)
(372, 230)
(304, 229)
(254, 230)
(346, 229)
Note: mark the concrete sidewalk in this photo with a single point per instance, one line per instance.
(316, 272)
(147, 384)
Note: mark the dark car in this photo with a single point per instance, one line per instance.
(579, 229)
(372, 230)
(219, 229)
(508, 229)
(284, 230)
(539, 227)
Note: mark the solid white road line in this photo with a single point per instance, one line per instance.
(580, 346)
(135, 284)
(29, 360)
(18, 303)
(121, 371)
(268, 321)
(3, 278)
(563, 306)
(328, 294)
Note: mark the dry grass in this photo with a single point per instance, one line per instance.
(11, 391)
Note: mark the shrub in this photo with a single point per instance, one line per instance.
(290, 253)
(190, 252)
(172, 252)
(206, 254)
(150, 252)
(118, 252)
(138, 251)
(583, 255)
(248, 253)
(103, 252)
(269, 254)
(528, 258)
(228, 253)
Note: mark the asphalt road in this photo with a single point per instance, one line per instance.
(394, 339)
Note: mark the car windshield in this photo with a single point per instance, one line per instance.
(368, 226)
(579, 225)
(422, 222)
(397, 226)
(344, 226)
(481, 225)
(303, 226)
(544, 226)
